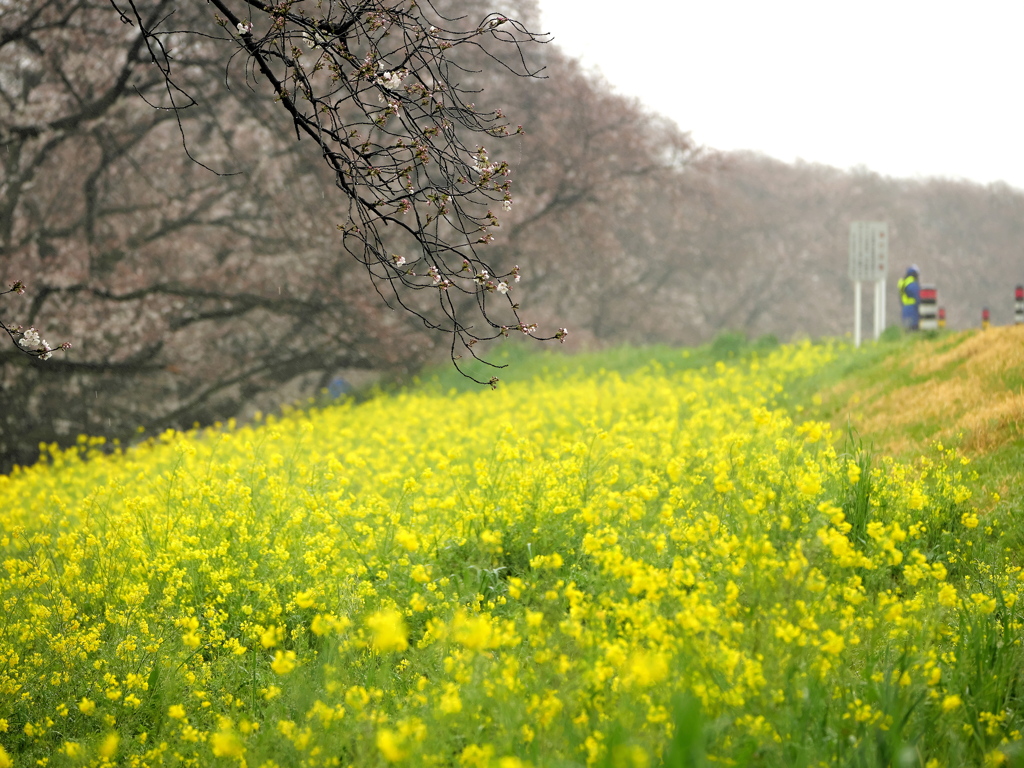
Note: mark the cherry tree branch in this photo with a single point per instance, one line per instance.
(376, 86)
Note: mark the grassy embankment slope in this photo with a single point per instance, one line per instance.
(629, 558)
(963, 389)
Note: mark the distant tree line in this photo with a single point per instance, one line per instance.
(781, 234)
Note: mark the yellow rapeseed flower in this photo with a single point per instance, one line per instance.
(832, 642)
(648, 668)
(108, 747)
(451, 702)
(284, 662)
(390, 745)
(270, 693)
(809, 483)
(986, 605)
(948, 596)
(226, 743)
(407, 539)
(388, 630)
(473, 632)
(72, 749)
(270, 637)
(949, 703)
(417, 602)
(477, 756)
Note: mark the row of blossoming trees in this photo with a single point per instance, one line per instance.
(221, 201)
(225, 220)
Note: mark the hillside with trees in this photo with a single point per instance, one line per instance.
(780, 232)
(193, 295)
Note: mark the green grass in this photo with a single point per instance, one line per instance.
(521, 360)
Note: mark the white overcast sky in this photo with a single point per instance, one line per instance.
(907, 88)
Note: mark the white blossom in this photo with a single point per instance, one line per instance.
(507, 205)
(244, 27)
(390, 80)
(502, 287)
(30, 339)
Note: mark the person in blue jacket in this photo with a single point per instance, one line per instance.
(910, 298)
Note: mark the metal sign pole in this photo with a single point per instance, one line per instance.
(879, 307)
(881, 303)
(874, 309)
(856, 313)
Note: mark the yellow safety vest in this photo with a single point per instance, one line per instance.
(902, 284)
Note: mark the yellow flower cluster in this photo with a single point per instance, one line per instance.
(526, 577)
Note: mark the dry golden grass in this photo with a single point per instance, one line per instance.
(956, 389)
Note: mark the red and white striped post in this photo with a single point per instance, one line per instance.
(1018, 305)
(926, 309)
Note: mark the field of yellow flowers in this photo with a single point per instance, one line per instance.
(667, 564)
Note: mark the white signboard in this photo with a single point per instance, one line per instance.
(869, 261)
(869, 250)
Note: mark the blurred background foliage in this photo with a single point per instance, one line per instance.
(193, 297)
